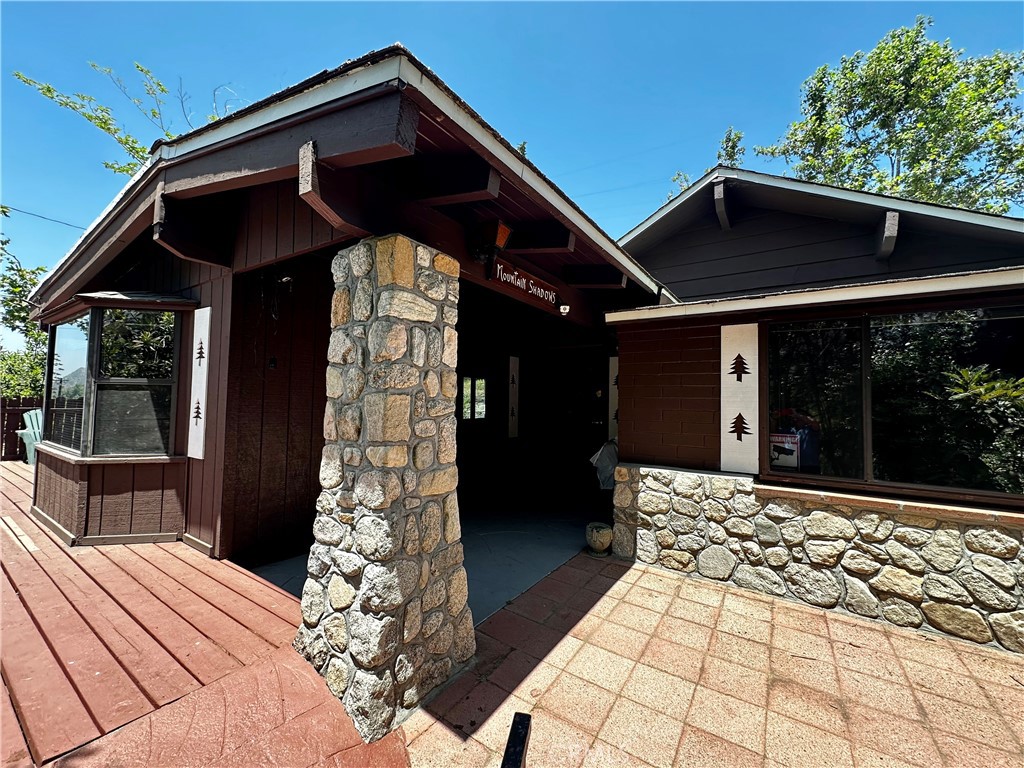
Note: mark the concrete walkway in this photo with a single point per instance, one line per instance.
(637, 666)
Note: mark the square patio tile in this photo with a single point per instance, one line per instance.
(619, 639)
(492, 732)
(804, 618)
(659, 582)
(1010, 704)
(791, 742)
(683, 632)
(868, 661)
(961, 751)
(476, 707)
(941, 683)
(571, 575)
(703, 749)
(693, 611)
(808, 705)
(604, 755)
(802, 643)
(532, 607)
(635, 617)
(642, 732)
(677, 660)
(740, 651)
(606, 585)
(521, 673)
(742, 626)
(811, 672)
(606, 669)
(962, 719)
(702, 592)
(1003, 671)
(906, 740)
(441, 747)
(865, 757)
(562, 652)
(846, 629)
(894, 698)
(648, 598)
(577, 701)
(554, 742)
(659, 690)
(564, 619)
(748, 607)
(745, 684)
(926, 649)
(728, 718)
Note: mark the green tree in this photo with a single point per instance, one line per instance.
(915, 118)
(21, 371)
(152, 105)
(731, 150)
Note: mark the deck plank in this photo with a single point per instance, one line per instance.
(14, 751)
(48, 707)
(233, 637)
(107, 690)
(155, 671)
(282, 604)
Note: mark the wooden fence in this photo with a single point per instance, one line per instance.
(11, 410)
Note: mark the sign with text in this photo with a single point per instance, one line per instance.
(200, 366)
(784, 451)
(524, 285)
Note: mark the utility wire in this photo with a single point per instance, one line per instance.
(44, 218)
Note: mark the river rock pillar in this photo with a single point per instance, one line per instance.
(385, 617)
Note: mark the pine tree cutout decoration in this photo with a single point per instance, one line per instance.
(200, 353)
(197, 412)
(739, 367)
(739, 427)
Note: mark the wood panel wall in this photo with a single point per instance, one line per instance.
(61, 492)
(767, 251)
(276, 398)
(135, 499)
(275, 224)
(669, 389)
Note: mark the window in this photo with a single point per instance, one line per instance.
(944, 392)
(65, 409)
(474, 398)
(112, 392)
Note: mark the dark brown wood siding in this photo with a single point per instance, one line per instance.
(276, 399)
(669, 389)
(768, 251)
(275, 224)
(61, 492)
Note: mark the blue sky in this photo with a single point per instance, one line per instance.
(612, 98)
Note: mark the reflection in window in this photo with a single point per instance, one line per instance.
(66, 407)
(947, 394)
(814, 394)
(474, 398)
(133, 389)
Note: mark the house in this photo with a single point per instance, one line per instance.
(289, 319)
(826, 412)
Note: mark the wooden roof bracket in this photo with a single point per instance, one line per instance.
(176, 232)
(322, 189)
(886, 239)
(723, 215)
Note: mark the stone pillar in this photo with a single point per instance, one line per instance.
(384, 610)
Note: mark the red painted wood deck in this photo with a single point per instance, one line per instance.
(154, 654)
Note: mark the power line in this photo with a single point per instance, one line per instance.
(44, 218)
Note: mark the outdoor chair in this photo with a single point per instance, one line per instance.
(31, 434)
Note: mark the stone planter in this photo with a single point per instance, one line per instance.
(599, 539)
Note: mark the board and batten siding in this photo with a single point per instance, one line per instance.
(669, 392)
(769, 251)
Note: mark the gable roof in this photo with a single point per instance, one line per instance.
(393, 67)
(812, 198)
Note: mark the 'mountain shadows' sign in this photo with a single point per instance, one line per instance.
(522, 283)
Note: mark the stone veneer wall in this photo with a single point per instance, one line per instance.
(961, 579)
(384, 610)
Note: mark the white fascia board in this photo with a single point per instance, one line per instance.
(672, 204)
(343, 85)
(410, 73)
(1002, 278)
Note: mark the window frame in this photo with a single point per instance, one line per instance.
(869, 485)
(93, 380)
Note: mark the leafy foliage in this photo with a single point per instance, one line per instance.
(21, 371)
(915, 118)
(731, 150)
(136, 344)
(152, 105)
